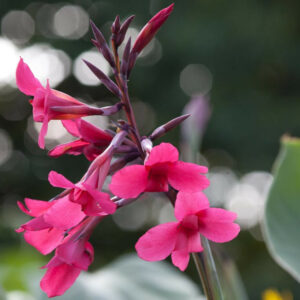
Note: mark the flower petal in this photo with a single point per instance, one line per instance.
(217, 225)
(158, 242)
(59, 180)
(75, 253)
(34, 207)
(26, 81)
(163, 153)
(71, 126)
(129, 182)
(93, 134)
(43, 132)
(64, 214)
(36, 224)
(45, 240)
(187, 177)
(189, 204)
(180, 259)
(73, 148)
(59, 279)
(100, 203)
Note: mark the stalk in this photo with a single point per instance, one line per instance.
(122, 84)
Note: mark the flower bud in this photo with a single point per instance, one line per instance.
(150, 29)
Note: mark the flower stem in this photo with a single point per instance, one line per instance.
(122, 84)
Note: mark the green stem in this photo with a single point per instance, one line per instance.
(211, 271)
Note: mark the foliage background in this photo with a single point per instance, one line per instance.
(250, 49)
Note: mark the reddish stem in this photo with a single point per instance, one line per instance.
(122, 84)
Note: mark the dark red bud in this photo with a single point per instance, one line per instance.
(101, 44)
(104, 79)
(151, 28)
(125, 59)
(121, 35)
(115, 28)
(163, 129)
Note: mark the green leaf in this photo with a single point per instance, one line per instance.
(282, 211)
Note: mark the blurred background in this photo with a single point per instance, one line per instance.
(237, 60)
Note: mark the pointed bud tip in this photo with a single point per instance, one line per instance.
(183, 117)
(163, 14)
(92, 23)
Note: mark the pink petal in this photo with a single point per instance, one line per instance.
(54, 262)
(158, 242)
(43, 132)
(98, 171)
(64, 214)
(180, 259)
(93, 134)
(188, 240)
(187, 177)
(157, 181)
(35, 207)
(129, 182)
(59, 180)
(217, 225)
(189, 204)
(71, 126)
(59, 279)
(36, 224)
(73, 148)
(74, 252)
(62, 97)
(45, 240)
(163, 153)
(26, 81)
(91, 152)
(38, 105)
(100, 203)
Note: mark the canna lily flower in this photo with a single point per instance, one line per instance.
(160, 169)
(179, 239)
(61, 275)
(86, 193)
(51, 219)
(49, 104)
(72, 256)
(92, 140)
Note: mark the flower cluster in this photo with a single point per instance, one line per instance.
(65, 223)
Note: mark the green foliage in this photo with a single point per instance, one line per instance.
(282, 214)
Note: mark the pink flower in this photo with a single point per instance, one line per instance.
(71, 257)
(51, 219)
(49, 104)
(87, 192)
(180, 238)
(161, 168)
(92, 140)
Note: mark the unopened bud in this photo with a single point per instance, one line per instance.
(101, 44)
(147, 145)
(151, 28)
(121, 35)
(104, 79)
(115, 27)
(163, 129)
(125, 59)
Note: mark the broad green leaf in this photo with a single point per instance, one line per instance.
(282, 211)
